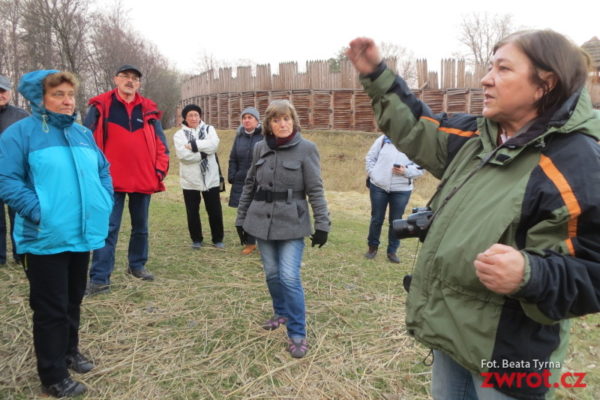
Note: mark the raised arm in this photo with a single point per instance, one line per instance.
(429, 140)
(364, 55)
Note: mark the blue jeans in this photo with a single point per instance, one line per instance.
(379, 202)
(103, 261)
(282, 260)
(451, 381)
(11, 217)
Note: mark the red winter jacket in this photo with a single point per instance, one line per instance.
(132, 139)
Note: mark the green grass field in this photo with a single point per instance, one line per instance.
(195, 332)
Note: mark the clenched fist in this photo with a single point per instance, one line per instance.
(500, 268)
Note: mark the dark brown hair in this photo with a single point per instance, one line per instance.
(552, 52)
(278, 108)
(58, 78)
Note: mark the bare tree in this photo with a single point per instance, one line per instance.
(163, 85)
(406, 64)
(114, 43)
(207, 61)
(63, 34)
(335, 63)
(38, 36)
(55, 37)
(480, 31)
(10, 57)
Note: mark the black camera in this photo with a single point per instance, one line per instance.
(415, 225)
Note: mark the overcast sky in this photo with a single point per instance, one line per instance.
(273, 31)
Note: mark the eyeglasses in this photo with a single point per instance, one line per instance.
(132, 77)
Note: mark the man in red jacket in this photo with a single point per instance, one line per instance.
(127, 129)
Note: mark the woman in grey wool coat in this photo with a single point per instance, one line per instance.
(273, 208)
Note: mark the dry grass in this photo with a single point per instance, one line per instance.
(195, 332)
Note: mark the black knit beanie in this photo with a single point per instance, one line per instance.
(190, 107)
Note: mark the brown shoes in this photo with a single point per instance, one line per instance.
(248, 249)
(371, 253)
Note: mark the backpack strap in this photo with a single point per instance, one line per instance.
(221, 178)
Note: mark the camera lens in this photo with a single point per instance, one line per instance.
(402, 228)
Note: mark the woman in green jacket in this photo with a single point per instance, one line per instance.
(513, 249)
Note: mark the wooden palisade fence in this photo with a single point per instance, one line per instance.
(324, 99)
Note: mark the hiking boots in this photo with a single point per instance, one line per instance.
(65, 388)
(393, 258)
(273, 323)
(141, 273)
(371, 253)
(79, 363)
(298, 347)
(93, 289)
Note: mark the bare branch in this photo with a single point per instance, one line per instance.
(480, 31)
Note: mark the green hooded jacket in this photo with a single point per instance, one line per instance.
(539, 192)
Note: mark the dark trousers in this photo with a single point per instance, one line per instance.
(56, 288)
(103, 260)
(11, 217)
(212, 203)
(250, 239)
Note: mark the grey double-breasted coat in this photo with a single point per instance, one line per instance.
(290, 168)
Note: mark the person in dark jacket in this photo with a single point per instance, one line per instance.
(9, 114)
(57, 180)
(285, 171)
(513, 250)
(240, 158)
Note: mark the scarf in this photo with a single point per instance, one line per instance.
(189, 134)
(274, 142)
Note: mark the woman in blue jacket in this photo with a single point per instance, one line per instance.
(57, 180)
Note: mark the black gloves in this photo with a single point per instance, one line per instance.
(242, 234)
(319, 237)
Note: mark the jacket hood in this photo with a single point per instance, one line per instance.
(577, 114)
(31, 87)
(257, 131)
(574, 115)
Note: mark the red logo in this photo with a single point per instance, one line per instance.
(532, 379)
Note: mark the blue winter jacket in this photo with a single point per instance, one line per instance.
(55, 177)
